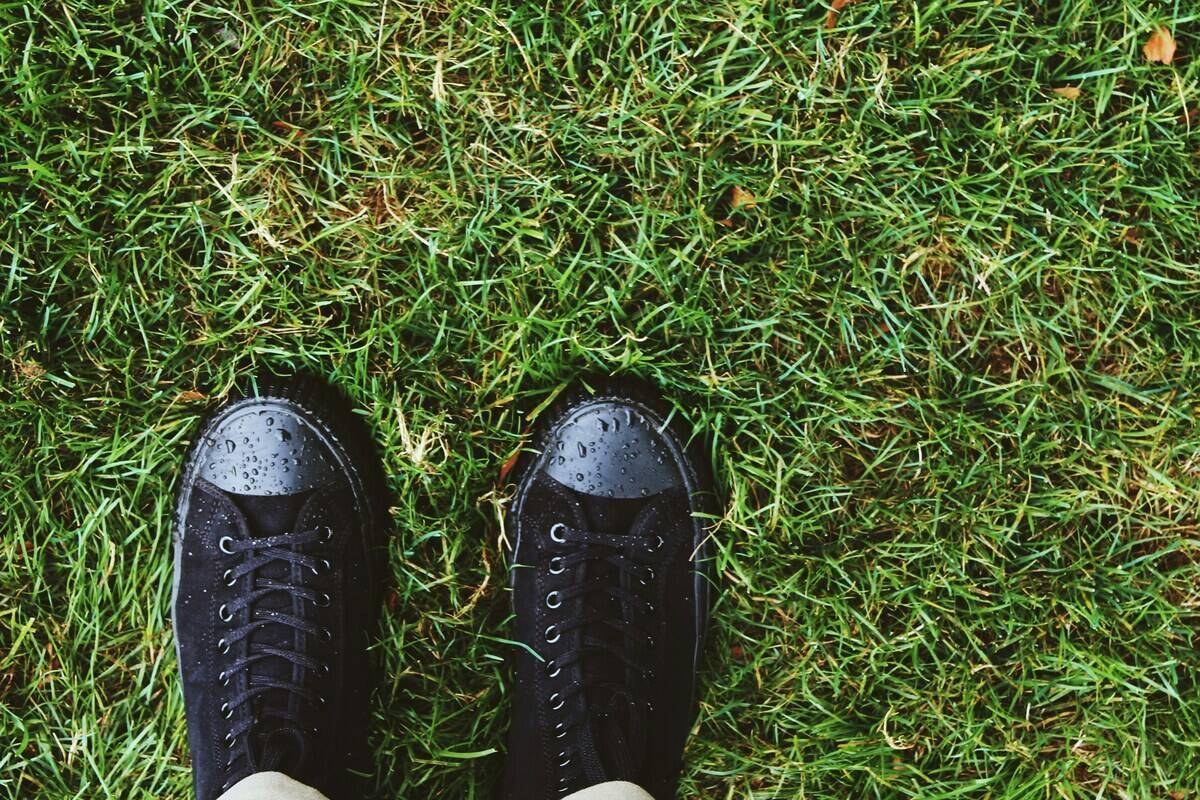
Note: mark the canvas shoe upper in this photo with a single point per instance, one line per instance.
(611, 590)
(280, 503)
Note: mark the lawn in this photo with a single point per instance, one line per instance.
(937, 311)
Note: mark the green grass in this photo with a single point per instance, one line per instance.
(948, 360)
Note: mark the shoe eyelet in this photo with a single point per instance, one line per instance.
(226, 711)
(324, 567)
(224, 613)
(325, 634)
(229, 579)
(552, 634)
(321, 699)
(556, 565)
(229, 739)
(658, 543)
(326, 534)
(223, 645)
(225, 543)
(649, 641)
(565, 759)
(554, 599)
(556, 531)
(552, 669)
(223, 677)
(323, 600)
(324, 669)
(560, 730)
(556, 702)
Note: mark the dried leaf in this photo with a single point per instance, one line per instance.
(1160, 47)
(509, 464)
(1069, 92)
(439, 87)
(30, 369)
(740, 198)
(834, 8)
(188, 396)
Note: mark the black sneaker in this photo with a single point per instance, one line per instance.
(610, 526)
(279, 508)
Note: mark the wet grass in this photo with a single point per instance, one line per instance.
(947, 355)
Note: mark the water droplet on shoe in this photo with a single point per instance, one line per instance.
(582, 450)
(230, 445)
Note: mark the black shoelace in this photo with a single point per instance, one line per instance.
(617, 574)
(292, 551)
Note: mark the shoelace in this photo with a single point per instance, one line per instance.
(257, 553)
(626, 586)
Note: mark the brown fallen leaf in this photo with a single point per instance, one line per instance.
(834, 8)
(740, 198)
(188, 396)
(509, 464)
(1160, 47)
(31, 370)
(1069, 92)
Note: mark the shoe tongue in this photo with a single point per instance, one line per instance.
(608, 515)
(280, 750)
(612, 742)
(271, 516)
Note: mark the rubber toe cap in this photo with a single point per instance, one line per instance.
(612, 449)
(265, 447)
